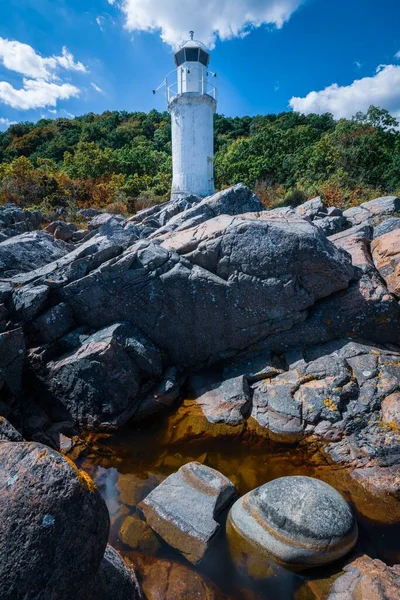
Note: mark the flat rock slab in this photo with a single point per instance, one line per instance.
(183, 508)
(298, 522)
(29, 251)
(223, 401)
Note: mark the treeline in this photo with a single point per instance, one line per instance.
(122, 160)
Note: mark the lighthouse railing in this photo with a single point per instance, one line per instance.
(206, 89)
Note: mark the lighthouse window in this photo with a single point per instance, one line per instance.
(192, 54)
(180, 58)
(203, 58)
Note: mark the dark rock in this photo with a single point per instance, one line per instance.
(12, 351)
(29, 300)
(62, 230)
(53, 525)
(157, 216)
(332, 225)
(332, 211)
(297, 522)
(261, 271)
(367, 579)
(29, 251)
(135, 533)
(14, 220)
(161, 396)
(8, 433)
(79, 235)
(89, 213)
(386, 226)
(115, 581)
(183, 508)
(53, 324)
(96, 383)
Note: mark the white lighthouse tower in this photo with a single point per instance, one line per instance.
(192, 102)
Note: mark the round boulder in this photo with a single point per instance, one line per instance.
(297, 522)
(53, 525)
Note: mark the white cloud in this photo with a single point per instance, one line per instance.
(23, 59)
(100, 20)
(111, 2)
(5, 123)
(36, 93)
(382, 89)
(397, 55)
(210, 19)
(97, 88)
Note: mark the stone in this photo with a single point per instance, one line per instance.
(23, 253)
(115, 580)
(53, 324)
(357, 215)
(14, 220)
(391, 409)
(88, 213)
(12, 353)
(161, 395)
(248, 267)
(386, 226)
(62, 230)
(96, 384)
(8, 433)
(225, 401)
(298, 522)
(53, 525)
(386, 205)
(367, 579)
(312, 208)
(136, 534)
(163, 579)
(157, 216)
(331, 225)
(132, 489)
(183, 509)
(28, 301)
(79, 235)
(386, 255)
(356, 241)
(102, 219)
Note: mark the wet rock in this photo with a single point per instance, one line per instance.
(367, 579)
(380, 481)
(225, 401)
(183, 509)
(248, 267)
(161, 396)
(97, 382)
(132, 489)
(386, 226)
(8, 433)
(136, 534)
(115, 580)
(386, 254)
(53, 525)
(23, 253)
(297, 522)
(163, 579)
(312, 208)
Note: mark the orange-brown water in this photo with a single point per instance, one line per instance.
(138, 457)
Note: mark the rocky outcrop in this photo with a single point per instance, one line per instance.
(386, 256)
(22, 253)
(367, 579)
(14, 221)
(183, 509)
(297, 522)
(62, 230)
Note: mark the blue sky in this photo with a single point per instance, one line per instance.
(69, 57)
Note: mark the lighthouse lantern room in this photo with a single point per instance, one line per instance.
(191, 93)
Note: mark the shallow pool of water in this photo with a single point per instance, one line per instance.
(138, 457)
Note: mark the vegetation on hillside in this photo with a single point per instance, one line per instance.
(122, 160)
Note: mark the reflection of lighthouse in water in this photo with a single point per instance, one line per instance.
(192, 102)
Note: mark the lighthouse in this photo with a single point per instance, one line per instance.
(191, 93)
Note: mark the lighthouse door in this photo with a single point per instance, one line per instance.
(210, 174)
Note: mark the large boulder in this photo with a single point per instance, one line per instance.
(312, 208)
(14, 220)
(386, 205)
(115, 580)
(221, 286)
(367, 579)
(23, 253)
(183, 509)
(298, 522)
(386, 254)
(53, 525)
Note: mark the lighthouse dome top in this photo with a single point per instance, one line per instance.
(192, 51)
